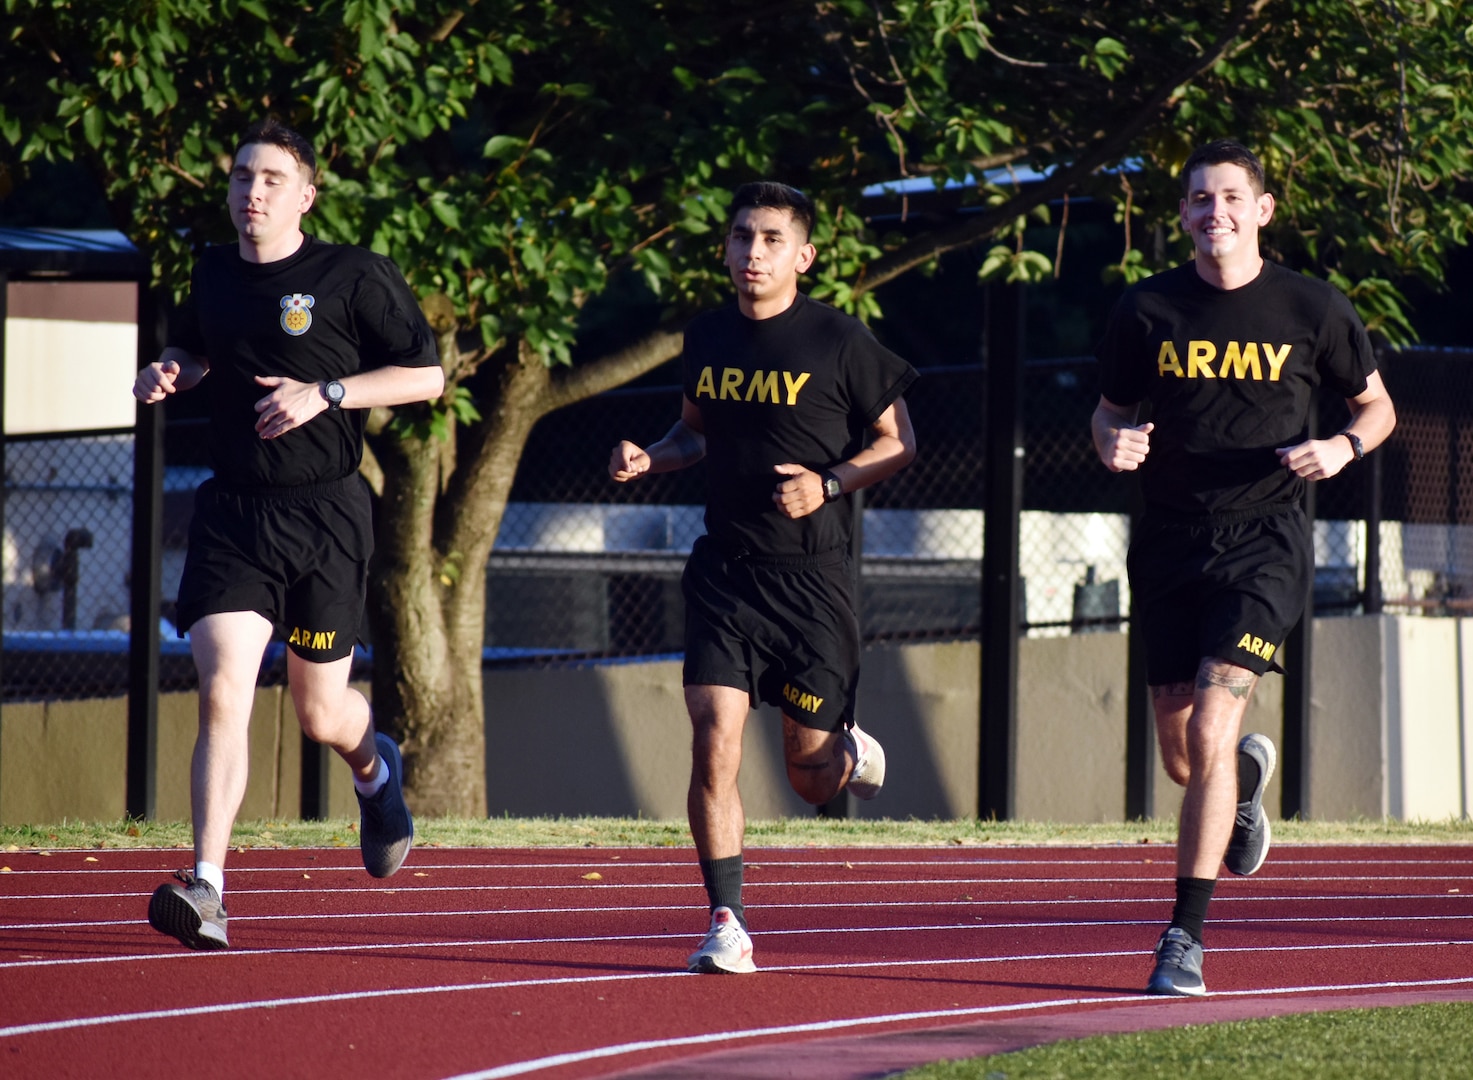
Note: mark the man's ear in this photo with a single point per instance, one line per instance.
(1265, 209)
(805, 257)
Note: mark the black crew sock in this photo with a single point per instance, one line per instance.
(1248, 774)
(723, 878)
(1192, 898)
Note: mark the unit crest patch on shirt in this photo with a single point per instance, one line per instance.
(296, 313)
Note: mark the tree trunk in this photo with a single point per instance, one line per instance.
(427, 594)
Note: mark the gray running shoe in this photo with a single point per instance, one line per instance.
(1178, 966)
(868, 775)
(386, 829)
(1251, 833)
(191, 912)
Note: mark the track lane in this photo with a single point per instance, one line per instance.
(488, 953)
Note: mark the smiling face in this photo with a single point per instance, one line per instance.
(269, 193)
(1223, 213)
(765, 253)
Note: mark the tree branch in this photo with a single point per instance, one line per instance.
(1110, 143)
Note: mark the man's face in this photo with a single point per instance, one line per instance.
(1222, 213)
(269, 194)
(765, 253)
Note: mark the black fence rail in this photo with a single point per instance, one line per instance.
(584, 566)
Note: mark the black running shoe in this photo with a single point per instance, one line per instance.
(191, 912)
(1251, 833)
(1178, 965)
(386, 829)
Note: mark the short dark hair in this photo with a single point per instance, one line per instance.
(1224, 152)
(770, 194)
(273, 132)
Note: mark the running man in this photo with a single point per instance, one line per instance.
(299, 339)
(1227, 349)
(780, 393)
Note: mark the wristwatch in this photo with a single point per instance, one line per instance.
(334, 392)
(1356, 446)
(832, 489)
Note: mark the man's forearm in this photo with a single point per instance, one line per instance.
(679, 448)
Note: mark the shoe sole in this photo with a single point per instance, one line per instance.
(707, 965)
(172, 914)
(1172, 990)
(863, 789)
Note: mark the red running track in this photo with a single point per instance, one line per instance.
(561, 963)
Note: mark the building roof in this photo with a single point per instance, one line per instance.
(90, 253)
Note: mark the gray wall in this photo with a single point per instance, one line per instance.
(1391, 734)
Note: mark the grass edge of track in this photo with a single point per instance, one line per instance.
(639, 832)
(1387, 1043)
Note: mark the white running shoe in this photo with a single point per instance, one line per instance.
(869, 764)
(726, 950)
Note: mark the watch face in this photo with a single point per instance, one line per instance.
(335, 391)
(831, 489)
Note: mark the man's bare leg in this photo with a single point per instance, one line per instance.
(227, 650)
(819, 762)
(1197, 730)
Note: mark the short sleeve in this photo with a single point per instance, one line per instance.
(184, 330)
(1347, 356)
(394, 329)
(1122, 376)
(876, 377)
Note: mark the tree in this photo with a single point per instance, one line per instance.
(521, 160)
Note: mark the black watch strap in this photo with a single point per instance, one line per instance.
(832, 488)
(1356, 446)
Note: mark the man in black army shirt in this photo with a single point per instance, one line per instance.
(294, 340)
(780, 392)
(1228, 350)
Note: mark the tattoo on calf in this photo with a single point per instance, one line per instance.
(1176, 689)
(1239, 683)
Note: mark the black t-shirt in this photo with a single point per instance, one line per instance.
(325, 312)
(800, 387)
(1230, 376)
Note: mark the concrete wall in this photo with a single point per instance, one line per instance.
(1391, 726)
(66, 759)
(1391, 733)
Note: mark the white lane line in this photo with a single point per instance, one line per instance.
(436, 914)
(584, 980)
(754, 856)
(1164, 876)
(521, 1068)
(364, 947)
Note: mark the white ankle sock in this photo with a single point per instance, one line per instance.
(208, 871)
(369, 788)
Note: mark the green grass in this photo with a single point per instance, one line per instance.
(1426, 1042)
(783, 832)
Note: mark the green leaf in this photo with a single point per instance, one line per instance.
(502, 146)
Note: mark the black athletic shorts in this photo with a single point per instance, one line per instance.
(781, 628)
(1231, 588)
(298, 556)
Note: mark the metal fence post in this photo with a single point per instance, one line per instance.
(4, 314)
(1003, 507)
(1140, 738)
(1297, 686)
(145, 580)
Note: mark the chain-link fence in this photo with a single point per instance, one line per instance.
(1417, 493)
(68, 543)
(582, 565)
